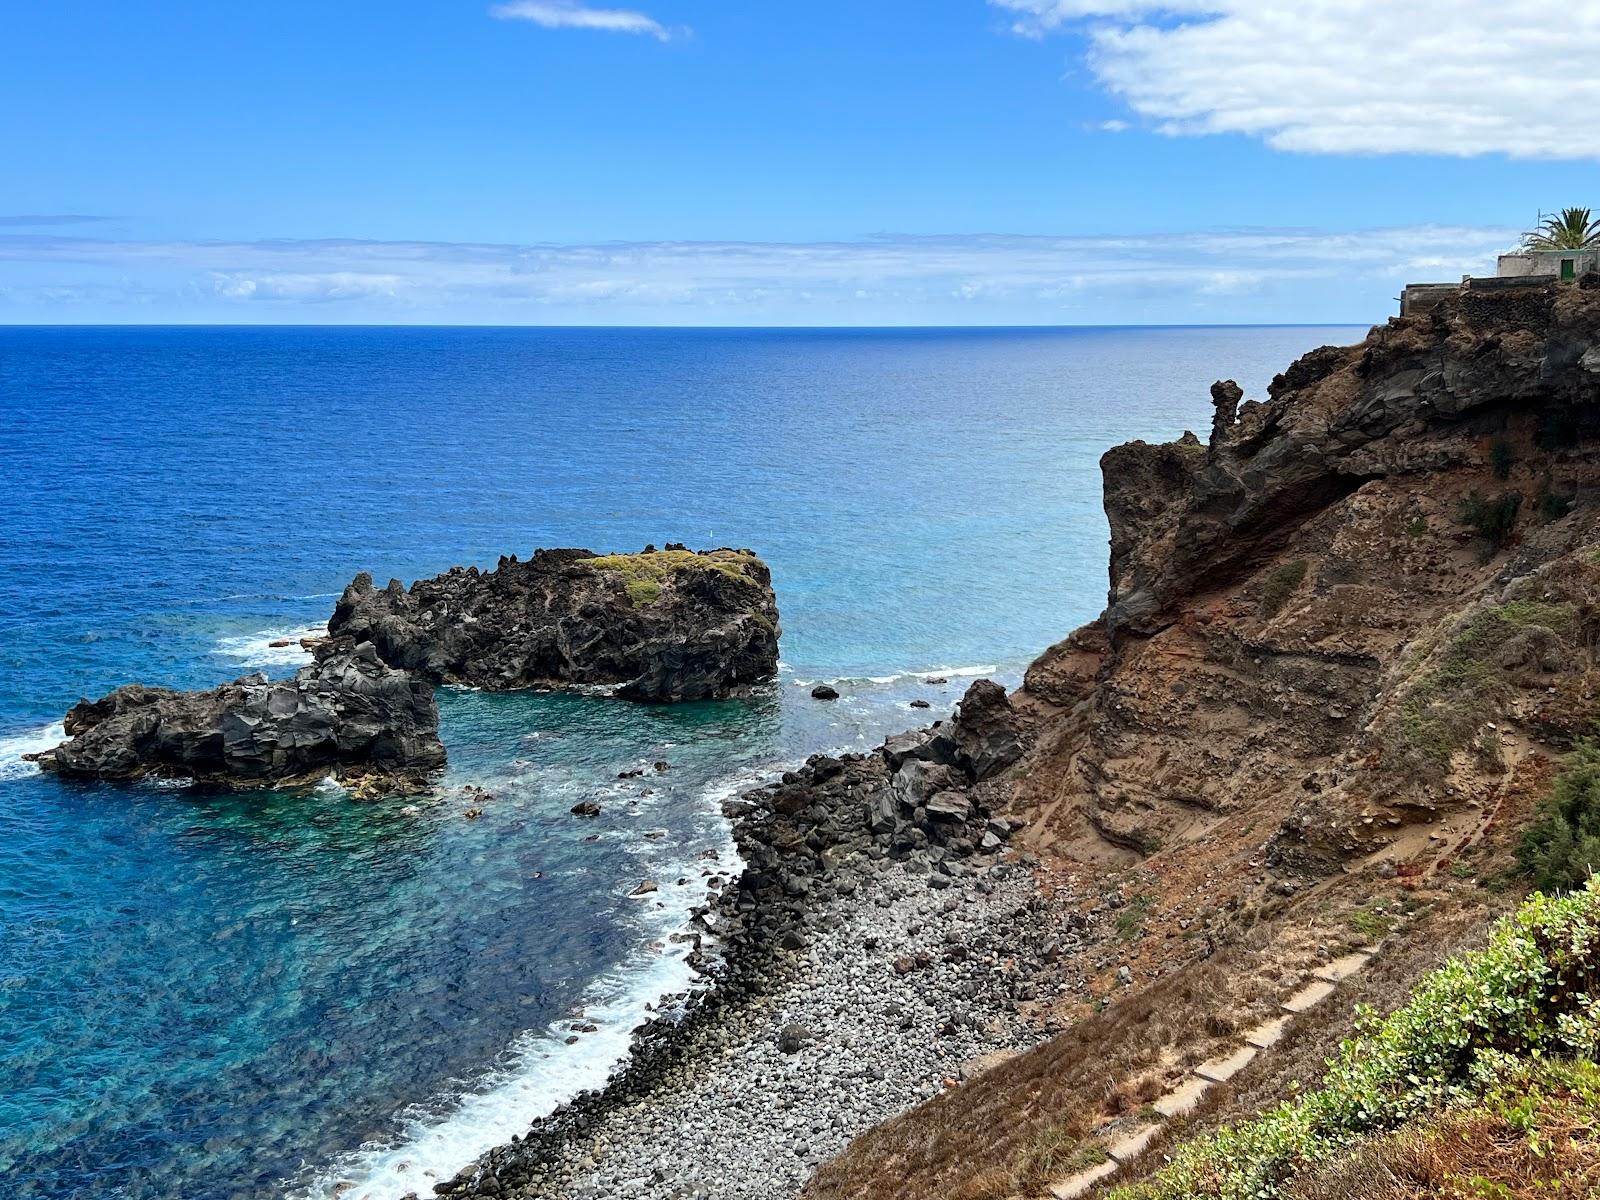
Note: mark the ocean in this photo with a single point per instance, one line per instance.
(215, 995)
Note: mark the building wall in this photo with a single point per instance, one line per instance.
(1547, 262)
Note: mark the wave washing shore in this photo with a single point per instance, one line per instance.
(541, 1070)
(871, 957)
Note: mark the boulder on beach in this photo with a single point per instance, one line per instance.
(662, 625)
(347, 714)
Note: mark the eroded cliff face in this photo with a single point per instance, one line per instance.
(1348, 625)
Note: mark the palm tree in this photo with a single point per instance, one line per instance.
(1572, 230)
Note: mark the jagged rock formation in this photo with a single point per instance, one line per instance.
(665, 625)
(1336, 630)
(347, 714)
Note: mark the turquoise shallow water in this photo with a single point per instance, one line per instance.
(215, 996)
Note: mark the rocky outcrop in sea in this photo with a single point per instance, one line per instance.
(660, 625)
(347, 714)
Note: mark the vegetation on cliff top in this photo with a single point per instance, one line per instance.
(1572, 230)
(644, 574)
(1511, 1024)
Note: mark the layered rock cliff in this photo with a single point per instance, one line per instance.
(346, 714)
(665, 625)
(1347, 636)
(1336, 628)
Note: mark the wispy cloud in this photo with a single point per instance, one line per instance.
(41, 220)
(568, 14)
(1456, 77)
(1216, 275)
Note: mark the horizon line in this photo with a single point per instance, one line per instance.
(670, 328)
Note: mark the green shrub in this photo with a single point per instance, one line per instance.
(1492, 520)
(1130, 921)
(643, 592)
(660, 566)
(1469, 1025)
(1561, 846)
(1281, 583)
(1501, 458)
(1552, 506)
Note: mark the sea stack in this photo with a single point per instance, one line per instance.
(347, 714)
(661, 625)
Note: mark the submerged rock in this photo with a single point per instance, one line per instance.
(664, 625)
(348, 713)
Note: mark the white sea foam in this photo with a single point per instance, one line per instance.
(542, 1070)
(257, 650)
(929, 673)
(29, 741)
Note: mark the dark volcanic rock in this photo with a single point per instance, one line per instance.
(824, 691)
(347, 713)
(985, 731)
(664, 625)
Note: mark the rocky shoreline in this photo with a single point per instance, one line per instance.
(881, 938)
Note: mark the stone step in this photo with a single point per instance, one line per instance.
(1080, 1183)
(1219, 1070)
(1342, 968)
(1181, 1100)
(1130, 1145)
(1269, 1033)
(1313, 994)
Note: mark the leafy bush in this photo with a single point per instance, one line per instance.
(1281, 583)
(1501, 458)
(1492, 520)
(1527, 995)
(1551, 505)
(1561, 846)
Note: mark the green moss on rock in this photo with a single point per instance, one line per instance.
(660, 566)
(1281, 583)
(1445, 707)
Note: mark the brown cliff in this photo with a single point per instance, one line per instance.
(1345, 638)
(1349, 617)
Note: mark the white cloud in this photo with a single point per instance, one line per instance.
(1215, 275)
(568, 14)
(1457, 77)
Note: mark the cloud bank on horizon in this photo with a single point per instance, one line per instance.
(1169, 278)
(1455, 77)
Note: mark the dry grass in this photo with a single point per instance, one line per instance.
(1026, 1122)
(1022, 1125)
(1477, 1155)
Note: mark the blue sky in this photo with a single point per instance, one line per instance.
(716, 162)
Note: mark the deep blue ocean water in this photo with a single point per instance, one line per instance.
(216, 996)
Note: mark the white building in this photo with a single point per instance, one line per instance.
(1559, 264)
